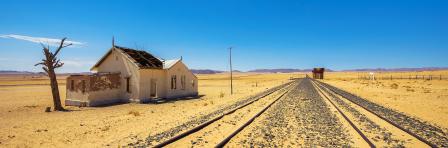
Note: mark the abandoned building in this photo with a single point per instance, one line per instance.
(129, 75)
(318, 73)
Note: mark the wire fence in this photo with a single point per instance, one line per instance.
(403, 77)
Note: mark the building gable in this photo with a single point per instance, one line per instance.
(141, 59)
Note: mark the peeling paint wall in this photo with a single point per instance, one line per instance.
(117, 62)
(95, 89)
(103, 82)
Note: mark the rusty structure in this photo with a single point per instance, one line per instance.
(318, 73)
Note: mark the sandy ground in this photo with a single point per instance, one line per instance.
(424, 99)
(25, 124)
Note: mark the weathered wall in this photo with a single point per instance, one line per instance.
(96, 89)
(102, 97)
(145, 82)
(76, 90)
(118, 62)
(180, 69)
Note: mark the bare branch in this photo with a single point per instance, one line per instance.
(67, 45)
(61, 46)
(43, 46)
(57, 65)
(41, 63)
(45, 69)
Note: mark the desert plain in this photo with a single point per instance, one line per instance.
(25, 124)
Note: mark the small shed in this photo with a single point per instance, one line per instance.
(318, 73)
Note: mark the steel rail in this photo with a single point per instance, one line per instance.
(228, 138)
(345, 117)
(387, 120)
(205, 124)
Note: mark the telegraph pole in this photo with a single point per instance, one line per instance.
(231, 77)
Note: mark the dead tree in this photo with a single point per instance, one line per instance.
(49, 64)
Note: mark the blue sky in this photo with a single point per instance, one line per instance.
(265, 34)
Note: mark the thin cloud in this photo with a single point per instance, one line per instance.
(49, 41)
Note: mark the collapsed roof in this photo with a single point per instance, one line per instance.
(142, 59)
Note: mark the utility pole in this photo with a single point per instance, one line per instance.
(231, 77)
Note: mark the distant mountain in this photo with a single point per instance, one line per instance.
(283, 70)
(400, 69)
(280, 70)
(12, 72)
(276, 70)
(205, 71)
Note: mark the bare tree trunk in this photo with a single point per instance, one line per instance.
(49, 64)
(55, 90)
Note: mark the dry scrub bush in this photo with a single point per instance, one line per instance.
(221, 95)
(133, 112)
(394, 86)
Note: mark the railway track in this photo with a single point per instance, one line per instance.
(311, 113)
(208, 133)
(370, 125)
(363, 136)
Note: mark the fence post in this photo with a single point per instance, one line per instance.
(440, 77)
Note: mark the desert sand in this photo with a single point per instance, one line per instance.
(424, 99)
(25, 124)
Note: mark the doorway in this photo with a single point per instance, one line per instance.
(153, 88)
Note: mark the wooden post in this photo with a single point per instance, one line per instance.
(231, 77)
(440, 77)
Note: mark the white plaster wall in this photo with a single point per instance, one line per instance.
(118, 62)
(77, 96)
(180, 69)
(145, 82)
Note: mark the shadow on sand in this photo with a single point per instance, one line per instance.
(166, 100)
